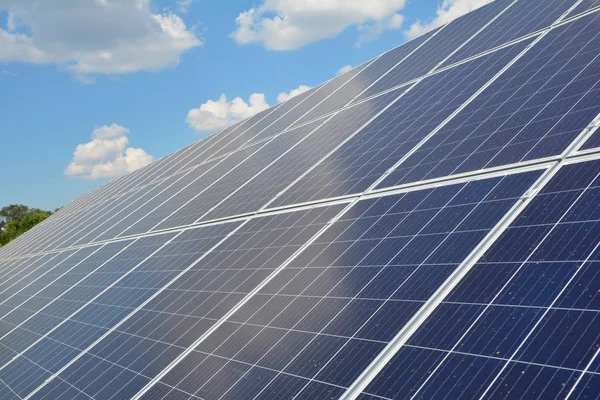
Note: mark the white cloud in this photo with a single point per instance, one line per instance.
(93, 37)
(344, 69)
(369, 32)
(283, 96)
(448, 11)
(291, 24)
(183, 6)
(218, 114)
(215, 115)
(106, 155)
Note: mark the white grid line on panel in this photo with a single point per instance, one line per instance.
(410, 328)
(47, 285)
(183, 175)
(88, 302)
(558, 166)
(442, 68)
(415, 83)
(454, 114)
(445, 59)
(237, 131)
(71, 231)
(397, 98)
(54, 299)
(373, 278)
(35, 270)
(508, 169)
(258, 147)
(141, 306)
(415, 322)
(548, 308)
(583, 373)
(241, 303)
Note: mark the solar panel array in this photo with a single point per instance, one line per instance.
(423, 226)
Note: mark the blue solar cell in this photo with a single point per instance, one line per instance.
(356, 165)
(524, 321)
(263, 187)
(158, 333)
(327, 315)
(365, 78)
(234, 177)
(584, 6)
(438, 48)
(521, 19)
(534, 110)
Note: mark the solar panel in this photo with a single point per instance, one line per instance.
(422, 226)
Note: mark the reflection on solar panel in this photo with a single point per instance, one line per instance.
(423, 226)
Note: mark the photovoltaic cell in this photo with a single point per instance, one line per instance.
(524, 321)
(534, 110)
(584, 6)
(128, 357)
(282, 275)
(43, 315)
(355, 166)
(439, 47)
(299, 159)
(366, 77)
(592, 142)
(314, 328)
(523, 18)
(241, 174)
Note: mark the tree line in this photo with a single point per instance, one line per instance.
(17, 219)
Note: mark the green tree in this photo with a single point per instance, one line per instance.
(17, 219)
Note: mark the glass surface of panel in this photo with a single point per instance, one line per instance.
(534, 110)
(524, 322)
(125, 360)
(326, 316)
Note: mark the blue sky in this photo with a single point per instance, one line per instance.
(61, 86)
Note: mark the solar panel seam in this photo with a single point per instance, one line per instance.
(441, 29)
(406, 279)
(583, 373)
(76, 225)
(441, 62)
(325, 120)
(246, 298)
(87, 303)
(539, 321)
(257, 148)
(263, 140)
(441, 68)
(411, 327)
(456, 112)
(32, 272)
(49, 303)
(587, 134)
(202, 224)
(458, 178)
(140, 307)
(202, 150)
(70, 222)
(57, 265)
(153, 197)
(434, 182)
(337, 147)
(489, 304)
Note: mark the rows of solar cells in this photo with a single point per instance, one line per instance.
(424, 226)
